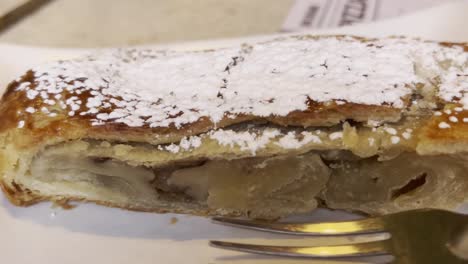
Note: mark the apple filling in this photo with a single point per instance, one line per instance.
(263, 187)
(405, 182)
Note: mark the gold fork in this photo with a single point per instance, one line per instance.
(419, 236)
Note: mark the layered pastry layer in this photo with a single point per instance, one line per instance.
(329, 167)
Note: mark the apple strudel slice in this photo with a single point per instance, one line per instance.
(262, 130)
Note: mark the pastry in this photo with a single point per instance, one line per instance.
(261, 130)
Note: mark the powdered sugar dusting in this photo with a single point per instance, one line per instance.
(406, 135)
(162, 88)
(444, 125)
(172, 148)
(453, 119)
(395, 139)
(188, 143)
(390, 130)
(336, 135)
(291, 141)
(245, 140)
(30, 110)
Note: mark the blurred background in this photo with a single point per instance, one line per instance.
(98, 23)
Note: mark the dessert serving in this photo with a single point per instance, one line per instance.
(261, 130)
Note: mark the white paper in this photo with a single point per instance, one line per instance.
(315, 14)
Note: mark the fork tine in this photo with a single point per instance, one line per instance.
(364, 226)
(373, 248)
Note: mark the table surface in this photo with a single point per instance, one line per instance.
(91, 23)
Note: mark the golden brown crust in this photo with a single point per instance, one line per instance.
(453, 139)
(42, 126)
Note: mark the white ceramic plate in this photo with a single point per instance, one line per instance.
(94, 234)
